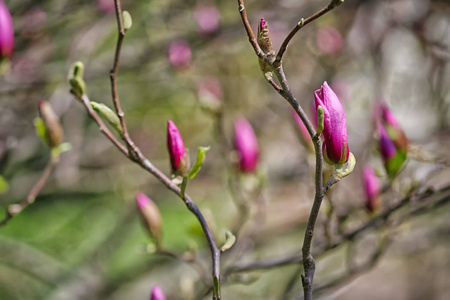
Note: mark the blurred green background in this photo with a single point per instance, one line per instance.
(83, 239)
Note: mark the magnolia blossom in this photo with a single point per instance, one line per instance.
(335, 146)
(176, 149)
(150, 215)
(157, 294)
(180, 54)
(329, 40)
(371, 187)
(6, 32)
(207, 17)
(246, 145)
(106, 6)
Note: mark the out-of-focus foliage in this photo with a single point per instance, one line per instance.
(82, 239)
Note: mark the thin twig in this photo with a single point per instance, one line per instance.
(302, 23)
(248, 28)
(14, 209)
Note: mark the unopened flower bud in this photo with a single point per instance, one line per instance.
(6, 32)
(246, 145)
(393, 129)
(371, 188)
(178, 157)
(53, 130)
(335, 146)
(150, 216)
(157, 294)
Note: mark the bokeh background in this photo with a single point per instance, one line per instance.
(83, 239)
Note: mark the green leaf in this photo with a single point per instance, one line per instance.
(230, 239)
(106, 113)
(183, 186)
(127, 20)
(4, 186)
(201, 155)
(64, 147)
(40, 129)
(216, 286)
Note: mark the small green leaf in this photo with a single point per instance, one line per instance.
(40, 129)
(201, 154)
(216, 286)
(4, 186)
(320, 119)
(106, 113)
(77, 70)
(230, 239)
(64, 147)
(127, 20)
(183, 186)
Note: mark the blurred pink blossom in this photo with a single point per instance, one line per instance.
(157, 294)
(179, 54)
(329, 40)
(246, 144)
(371, 188)
(106, 6)
(209, 94)
(207, 17)
(33, 20)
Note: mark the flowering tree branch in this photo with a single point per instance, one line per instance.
(132, 152)
(14, 209)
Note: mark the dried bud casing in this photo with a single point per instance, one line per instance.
(53, 131)
(264, 40)
(151, 217)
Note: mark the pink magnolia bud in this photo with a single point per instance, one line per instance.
(393, 129)
(151, 216)
(371, 188)
(207, 17)
(6, 32)
(179, 54)
(157, 294)
(329, 40)
(335, 146)
(53, 131)
(175, 145)
(246, 145)
(387, 147)
(305, 138)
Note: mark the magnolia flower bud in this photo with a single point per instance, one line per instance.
(175, 145)
(246, 144)
(151, 216)
(371, 188)
(180, 54)
(393, 129)
(6, 32)
(53, 130)
(335, 146)
(393, 156)
(264, 40)
(157, 294)
(329, 40)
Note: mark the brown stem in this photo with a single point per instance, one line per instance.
(14, 209)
